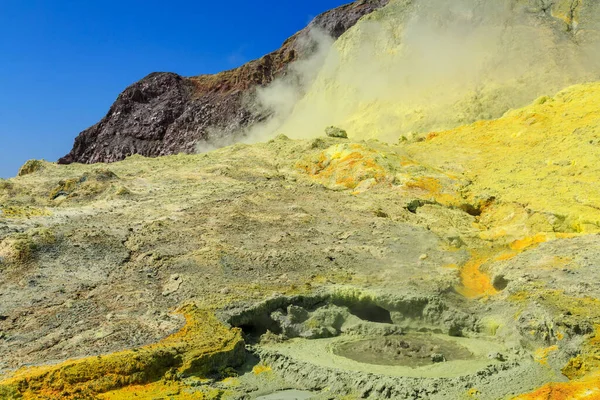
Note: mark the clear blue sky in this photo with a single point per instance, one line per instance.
(63, 62)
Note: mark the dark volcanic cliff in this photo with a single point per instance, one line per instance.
(165, 113)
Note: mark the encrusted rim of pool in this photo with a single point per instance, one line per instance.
(296, 336)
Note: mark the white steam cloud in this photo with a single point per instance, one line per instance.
(277, 100)
(417, 66)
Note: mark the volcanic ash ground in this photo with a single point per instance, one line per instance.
(457, 259)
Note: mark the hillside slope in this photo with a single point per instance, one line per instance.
(165, 113)
(481, 238)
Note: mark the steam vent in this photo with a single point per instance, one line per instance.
(402, 202)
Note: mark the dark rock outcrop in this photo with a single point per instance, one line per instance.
(165, 113)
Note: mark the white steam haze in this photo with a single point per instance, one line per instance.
(277, 100)
(424, 65)
(281, 96)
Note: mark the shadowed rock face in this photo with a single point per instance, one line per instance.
(165, 113)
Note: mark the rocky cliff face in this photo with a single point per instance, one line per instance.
(165, 113)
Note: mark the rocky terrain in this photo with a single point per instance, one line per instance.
(450, 263)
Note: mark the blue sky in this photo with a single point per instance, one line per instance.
(63, 62)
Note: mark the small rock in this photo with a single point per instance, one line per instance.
(225, 291)
(345, 235)
(172, 285)
(456, 242)
(276, 238)
(496, 356)
(30, 167)
(336, 132)
(365, 185)
(380, 213)
(318, 143)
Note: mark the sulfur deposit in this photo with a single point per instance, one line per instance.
(456, 260)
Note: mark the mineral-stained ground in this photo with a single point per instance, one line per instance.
(458, 263)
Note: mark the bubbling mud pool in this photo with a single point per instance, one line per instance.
(287, 395)
(415, 355)
(375, 345)
(414, 350)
